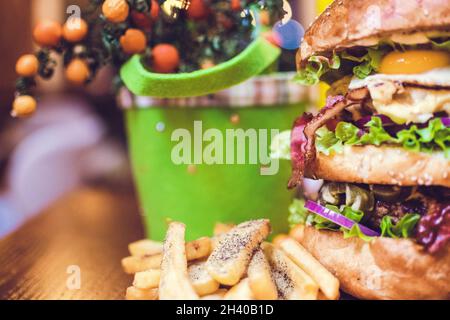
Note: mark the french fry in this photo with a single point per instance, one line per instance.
(278, 238)
(328, 283)
(147, 279)
(134, 293)
(200, 279)
(222, 228)
(218, 295)
(241, 291)
(292, 282)
(219, 230)
(174, 283)
(135, 264)
(321, 296)
(229, 260)
(145, 247)
(260, 277)
(196, 249)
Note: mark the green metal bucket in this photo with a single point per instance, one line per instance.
(202, 194)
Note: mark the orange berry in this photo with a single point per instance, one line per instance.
(47, 33)
(264, 17)
(207, 63)
(235, 5)
(116, 10)
(133, 41)
(235, 118)
(154, 11)
(166, 58)
(192, 169)
(27, 65)
(278, 238)
(23, 106)
(77, 72)
(197, 10)
(75, 29)
(297, 232)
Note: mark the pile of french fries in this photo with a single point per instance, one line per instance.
(235, 264)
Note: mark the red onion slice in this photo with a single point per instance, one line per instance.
(446, 121)
(338, 218)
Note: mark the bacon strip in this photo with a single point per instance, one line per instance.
(299, 146)
(303, 151)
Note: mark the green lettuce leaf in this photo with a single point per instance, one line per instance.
(327, 142)
(434, 137)
(367, 64)
(320, 223)
(347, 132)
(360, 66)
(431, 138)
(441, 45)
(355, 231)
(442, 139)
(376, 135)
(315, 68)
(354, 215)
(280, 147)
(403, 229)
(298, 214)
(408, 139)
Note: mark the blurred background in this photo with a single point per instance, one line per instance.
(77, 137)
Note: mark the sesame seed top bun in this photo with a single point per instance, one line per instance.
(349, 23)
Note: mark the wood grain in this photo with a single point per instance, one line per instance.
(15, 35)
(89, 228)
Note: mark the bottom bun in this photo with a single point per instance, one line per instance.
(385, 268)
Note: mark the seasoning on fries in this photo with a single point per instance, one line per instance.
(201, 280)
(292, 282)
(328, 283)
(230, 258)
(174, 283)
(236, 264)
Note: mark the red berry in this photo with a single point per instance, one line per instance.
(197, 10)
(144, 21)
(141, 20)
(154, 11)
(224, 21)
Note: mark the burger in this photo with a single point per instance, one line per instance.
(373, 165)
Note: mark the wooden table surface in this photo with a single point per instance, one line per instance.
(86, 231)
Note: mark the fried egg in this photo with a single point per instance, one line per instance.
(429, 68)
(411, 85)
(436, 78)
